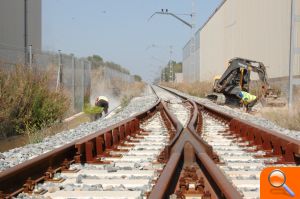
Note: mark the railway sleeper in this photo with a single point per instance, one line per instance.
(274, 145)
(88, 151)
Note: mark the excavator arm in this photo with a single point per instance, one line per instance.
(237, 74)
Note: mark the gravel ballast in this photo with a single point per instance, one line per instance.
(16, 156)
(235, 112)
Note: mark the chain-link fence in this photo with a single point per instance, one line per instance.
(65, 71)
(109, 82)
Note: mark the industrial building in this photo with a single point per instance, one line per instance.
(20, 26)
(258, 29)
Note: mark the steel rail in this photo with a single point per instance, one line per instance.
(12, 180)
(195, 122)
(89, 148)
(280, 145)
(165, 184)
(222, 187)
(178, 126)
(163, 188)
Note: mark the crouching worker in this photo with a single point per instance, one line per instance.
(247, 100)
(102, 102)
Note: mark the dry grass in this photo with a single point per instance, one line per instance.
(282, 116)
(199, 89)
(134, 90)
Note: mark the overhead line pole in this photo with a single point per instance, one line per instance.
(193, 42)
(190, 25)
(26, 32)
(294, 50)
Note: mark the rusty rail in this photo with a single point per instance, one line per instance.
(222, 187)
(93, 146)
(25, 175)
(165, 184)
(177, 125)
(279, 144)
(203, 153)
(13, 179)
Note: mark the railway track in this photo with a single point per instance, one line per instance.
(129, 170)
(176, 149)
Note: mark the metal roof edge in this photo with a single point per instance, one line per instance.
(216, 10)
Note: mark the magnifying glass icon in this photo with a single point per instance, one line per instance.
(277, 179)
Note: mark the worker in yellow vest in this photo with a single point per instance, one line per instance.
(102, 102)
(248, 100)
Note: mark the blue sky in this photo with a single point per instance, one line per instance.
(119, 30)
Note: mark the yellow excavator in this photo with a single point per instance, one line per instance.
(236, 78)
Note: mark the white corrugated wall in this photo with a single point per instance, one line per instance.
(253, 29)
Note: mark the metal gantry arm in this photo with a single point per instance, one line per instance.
(173, 15)
(190, 25)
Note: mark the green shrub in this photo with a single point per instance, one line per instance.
(26, 102)
(88, 109)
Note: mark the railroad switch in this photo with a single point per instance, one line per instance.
(191, 185)
(166, 120)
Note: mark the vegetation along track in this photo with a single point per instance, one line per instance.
(176, 149)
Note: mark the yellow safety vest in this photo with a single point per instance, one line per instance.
(247, 97)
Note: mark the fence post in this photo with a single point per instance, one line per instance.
(89, 79)
(73, 81)
(59, 73)
(82, 84)
(30, 56)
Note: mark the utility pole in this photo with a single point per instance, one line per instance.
(293, 51)
(171, 65)
(193, 42)
(163, 74)
(26, 32)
